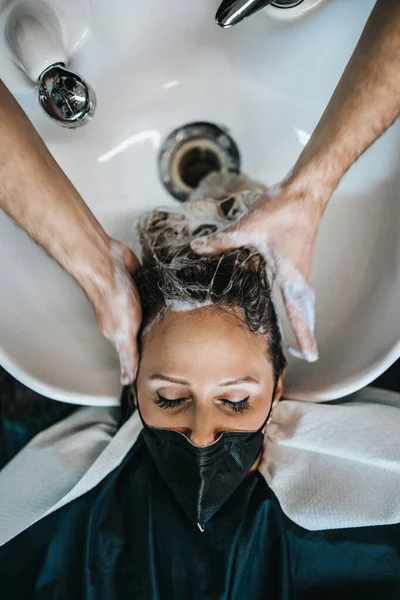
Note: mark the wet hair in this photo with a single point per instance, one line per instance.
(172, 274)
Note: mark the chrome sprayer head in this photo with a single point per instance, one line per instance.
(66, 97)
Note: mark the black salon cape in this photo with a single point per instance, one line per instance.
(128, 539)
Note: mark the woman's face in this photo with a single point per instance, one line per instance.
(202, 372)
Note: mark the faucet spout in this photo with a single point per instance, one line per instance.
(66, 97)
(232, 12)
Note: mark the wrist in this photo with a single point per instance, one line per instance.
(92, 267)
(312, 184)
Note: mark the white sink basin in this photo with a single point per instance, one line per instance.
(157, 65)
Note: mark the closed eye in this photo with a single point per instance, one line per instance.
(167, 403)
(239, 406)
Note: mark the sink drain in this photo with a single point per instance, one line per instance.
(193, 151)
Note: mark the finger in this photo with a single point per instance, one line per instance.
(222, 241)
(299, 300)
(126, 344)
(300, 308)
(129, 350)
(128, 353)
(129, 361)
(304, 335)
(121, 322)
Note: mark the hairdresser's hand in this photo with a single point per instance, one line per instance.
(282, 225)
(117, 307)
(39, 197)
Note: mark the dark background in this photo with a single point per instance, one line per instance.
(390, 380)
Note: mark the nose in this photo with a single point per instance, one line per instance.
(203, 426)
(202, 438)
(203, 431)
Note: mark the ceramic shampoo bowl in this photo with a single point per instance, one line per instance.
(155, 66)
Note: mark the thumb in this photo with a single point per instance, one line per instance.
(126, 255)
(129, 360)
(227, 239)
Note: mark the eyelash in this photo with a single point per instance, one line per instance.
(237, 407)
(166, 403)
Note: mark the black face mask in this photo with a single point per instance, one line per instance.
(202, 479)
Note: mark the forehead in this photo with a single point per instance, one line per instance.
(204, 341)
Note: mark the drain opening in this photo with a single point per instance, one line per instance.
(196, 164)
(193, 151)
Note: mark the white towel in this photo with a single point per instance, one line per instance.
(47, 468)
(330, 466)
(335, 466)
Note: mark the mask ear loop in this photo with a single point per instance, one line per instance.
(133, 396)
(128, 403)
(135, 402)
(269, 415)
(125, 403)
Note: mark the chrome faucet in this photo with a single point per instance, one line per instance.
(232, 12)
(65, 96)
(35, 40)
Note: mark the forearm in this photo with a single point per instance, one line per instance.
(364, 104)
(38, 196)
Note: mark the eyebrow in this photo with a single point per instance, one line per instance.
(168, 378)
(224, 383)
(237, 381)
